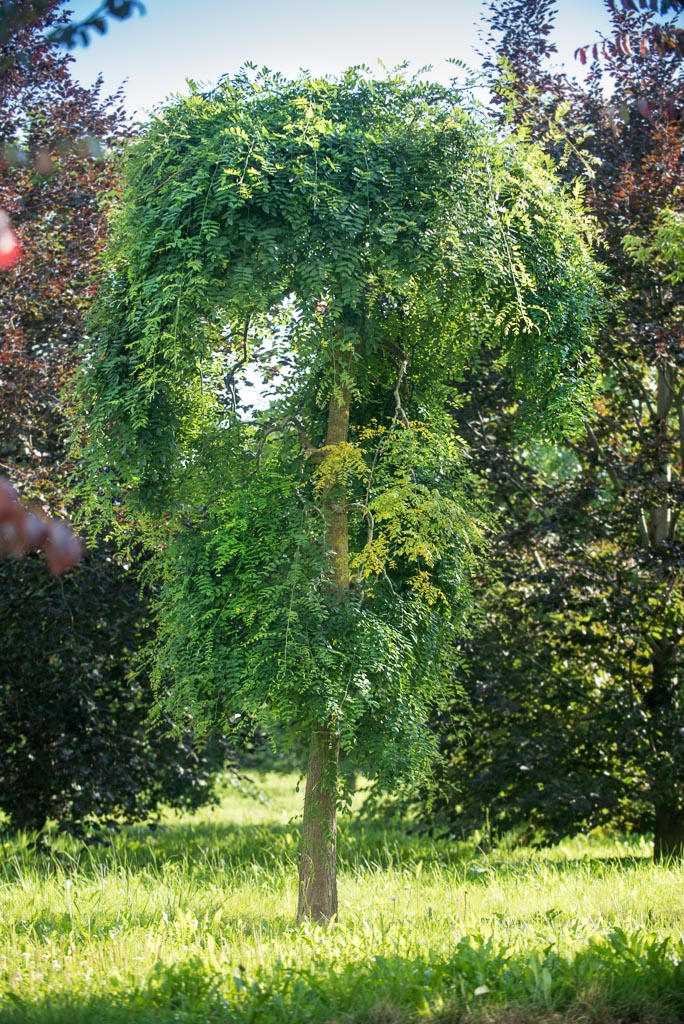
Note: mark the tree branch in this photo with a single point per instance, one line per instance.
(399, 413)
(229, 379)
(310, 450)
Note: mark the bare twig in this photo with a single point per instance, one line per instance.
(229, 379)
(399, 413)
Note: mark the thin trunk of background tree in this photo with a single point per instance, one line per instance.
(669, 815)
(318, 864)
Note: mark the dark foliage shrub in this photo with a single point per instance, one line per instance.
(76, 746)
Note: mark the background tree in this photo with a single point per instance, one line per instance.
(76, 746)
(19, 15)
(368, 238)
(586, 718)
(51, 187)
(553, 740)
(74, 740)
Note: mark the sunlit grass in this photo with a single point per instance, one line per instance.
(194, 921)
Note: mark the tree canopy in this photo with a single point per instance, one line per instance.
(362, 241)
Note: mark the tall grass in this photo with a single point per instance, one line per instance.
(194, 922)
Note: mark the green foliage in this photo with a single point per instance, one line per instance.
(665, 246)
(366, 239)
(248, 621)
(382, 197)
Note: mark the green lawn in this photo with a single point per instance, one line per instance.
(194, 922)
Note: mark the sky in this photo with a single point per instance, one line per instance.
(204, 39)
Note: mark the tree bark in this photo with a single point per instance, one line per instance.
(318, 864)
(668, 838)
(668, 810)
(661, 515)
(669, 816)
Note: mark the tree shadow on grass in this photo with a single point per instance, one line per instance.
(360, 844)
(208, 849)
(635, 978)
(219, 845)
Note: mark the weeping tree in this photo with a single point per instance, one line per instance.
(353, 245)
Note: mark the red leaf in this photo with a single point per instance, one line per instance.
(10, 249)
(34, 531)
(9, 499)
(624, 45)
(63, 549)
(22, 531)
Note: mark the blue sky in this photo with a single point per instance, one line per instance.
(159, 51)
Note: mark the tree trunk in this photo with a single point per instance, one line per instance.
(669, 816)
(669, 830)
(318, 864)
(661, 515)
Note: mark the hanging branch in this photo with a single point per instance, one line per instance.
(368, 516)
(78, 33)
(399, 413)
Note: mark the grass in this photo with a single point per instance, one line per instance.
(194, 923)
